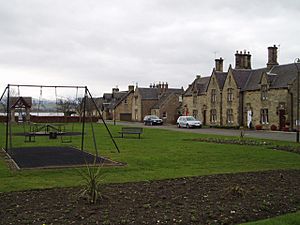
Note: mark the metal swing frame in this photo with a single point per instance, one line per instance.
(87, 94)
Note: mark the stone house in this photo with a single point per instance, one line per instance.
(122, 109)
(243, 96)
(194, 99)
(157, 99)
(167, 106)
(117, 105)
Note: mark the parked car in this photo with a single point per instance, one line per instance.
(152, 120)
(188, 122)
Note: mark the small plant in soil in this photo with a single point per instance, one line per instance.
(91, 189)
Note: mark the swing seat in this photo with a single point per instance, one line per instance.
(52, 135)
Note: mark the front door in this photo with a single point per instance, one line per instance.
(204, 117)
(282, 119)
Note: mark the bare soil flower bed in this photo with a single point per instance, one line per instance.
(215, 199)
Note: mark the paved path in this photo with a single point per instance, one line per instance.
(273, 135)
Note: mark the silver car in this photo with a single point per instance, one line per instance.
(188, 122)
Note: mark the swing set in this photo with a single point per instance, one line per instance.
(52, 130)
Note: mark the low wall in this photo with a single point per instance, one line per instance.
(55, 119)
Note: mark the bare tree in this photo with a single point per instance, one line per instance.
(67, 106)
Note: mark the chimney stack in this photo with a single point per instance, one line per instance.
(131, 88)
(272, 57)
(114, 90)
(242, 60)
(219, 64)
(238, 60)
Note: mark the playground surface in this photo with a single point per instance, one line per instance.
(55, 157)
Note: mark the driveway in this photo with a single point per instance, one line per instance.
(273, 135)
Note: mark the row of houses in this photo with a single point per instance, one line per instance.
(137, 102)
(240, 96)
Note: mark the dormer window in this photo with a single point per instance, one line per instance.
(213, 96)
(229, 94)
(264, 92)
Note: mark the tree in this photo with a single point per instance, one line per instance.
(67, 106)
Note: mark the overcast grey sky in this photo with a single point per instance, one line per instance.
(102, 44)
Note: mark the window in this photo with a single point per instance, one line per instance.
(213, 96)
(195, 113)
(229, 94)
(264, 117)
(264, 92)
(125, 101)
(194, 99)
(164, 115)
(229, 116)
(213, 115)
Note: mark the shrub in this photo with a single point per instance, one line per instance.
(258, 127)
(273, 127)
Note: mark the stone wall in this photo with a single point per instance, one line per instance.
(277, 99)
(214, 105)
(234, 104)
(170, 109)
(124, 107)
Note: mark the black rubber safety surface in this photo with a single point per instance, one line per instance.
(55, 157)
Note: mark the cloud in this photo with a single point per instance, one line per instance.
(107, 43)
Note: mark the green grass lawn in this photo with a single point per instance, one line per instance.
(159, 154)
(288, 219)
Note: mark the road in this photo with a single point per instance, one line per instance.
(263, 134)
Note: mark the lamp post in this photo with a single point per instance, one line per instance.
(297, 64)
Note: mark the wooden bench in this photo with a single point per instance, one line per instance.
(131, 130)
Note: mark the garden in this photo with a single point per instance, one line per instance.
(167, 177)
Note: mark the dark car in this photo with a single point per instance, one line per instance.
(152, 120)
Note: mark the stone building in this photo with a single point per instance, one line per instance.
(118, 104)
(243, 96)
(194, 99)
(122, 109)
(159, 100)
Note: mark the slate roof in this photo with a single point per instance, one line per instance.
(148, 93)
(122, 98)
(286, 74)
(278, 77)
(199, 85)
(162, 99)
(241, 76)
(221, 77)
(107, 96)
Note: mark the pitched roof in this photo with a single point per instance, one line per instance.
(199, 85)
(148, 93)
(286, 74)
(280, 76)
(122, 98)
(221, 77)
(241, 76)
(107, 96)
(163, 98)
